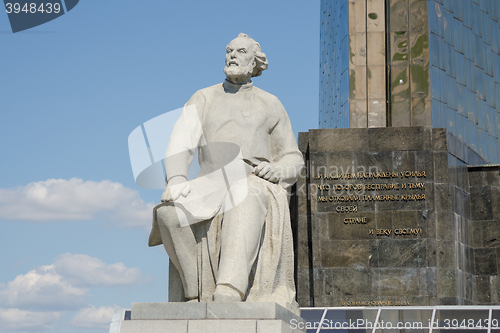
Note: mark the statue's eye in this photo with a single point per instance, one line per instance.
(242, 51)
(228, 50)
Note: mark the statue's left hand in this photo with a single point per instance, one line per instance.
(268, 171)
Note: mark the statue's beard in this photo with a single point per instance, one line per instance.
(238, 71)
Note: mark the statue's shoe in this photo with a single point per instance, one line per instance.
(225, 294)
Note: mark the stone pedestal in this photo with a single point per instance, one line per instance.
(209, 317)
(395, 216)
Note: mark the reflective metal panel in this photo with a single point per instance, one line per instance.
(376, 82)
(461, 127)
(447, 26)
(399, 48)
(358, 113)
(400, 96)
(435, 74)
(375, 42)
(421, 114)
(460, 68)
(334, 64)
(377, 112)
(399, 15)
(442, 56)
(418, 16)
(460, 93)
(497, 125)
(450, 120)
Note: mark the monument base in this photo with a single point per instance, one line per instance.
(395, 216)
(208, 318)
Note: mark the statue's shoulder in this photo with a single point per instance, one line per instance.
(264, 94)
(210, 90)
(268, 98)
(202, 95)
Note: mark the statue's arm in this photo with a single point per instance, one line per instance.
(289, 167)
(184, 140)
(287, 158)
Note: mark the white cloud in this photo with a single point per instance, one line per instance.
(92, 317)
(88, 271)
(42, 289)
(64, 284)
(74, 199)
(28, 321)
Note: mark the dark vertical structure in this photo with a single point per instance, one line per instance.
(413, 63)
(396, 216)
(400, 200)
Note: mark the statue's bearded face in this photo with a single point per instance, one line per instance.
(240, 58)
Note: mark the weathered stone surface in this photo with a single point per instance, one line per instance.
(396, 138)
(461, 200)
(447, 254)
(154, 326)
(398, 253)
(303, 141)
(431, 252)
(171, 310)
(445, 226)
(447, 282)
(303, 284)
(490, 178)
(340, 140)
(267, 326)
(222, 326)
(498, 258)
(346, 253)
(428, 281)
(249, 310)
(441, 171)
(495, 289)
(404, 160)
(209, 317)
(495, 198)
(338, 229)
(175, 289)
(442, 194)
(491, 233)
(374, 162)
(485, 261)
(483, 289)
(481, 203)
(458, 242)
(396, 281)
(439, 139)
(470, 286)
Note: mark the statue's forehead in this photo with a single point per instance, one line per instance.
(240, 42)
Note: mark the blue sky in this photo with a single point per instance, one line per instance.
(73, 224)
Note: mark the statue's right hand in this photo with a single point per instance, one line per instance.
(176, 187)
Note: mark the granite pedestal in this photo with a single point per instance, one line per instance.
(208, 318)
(395, 216)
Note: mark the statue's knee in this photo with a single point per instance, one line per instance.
(166, 215)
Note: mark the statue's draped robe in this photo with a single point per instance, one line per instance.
(256, 122)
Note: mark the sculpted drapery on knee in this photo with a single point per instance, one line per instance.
(228, 231)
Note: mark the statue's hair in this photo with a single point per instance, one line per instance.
(260, 57)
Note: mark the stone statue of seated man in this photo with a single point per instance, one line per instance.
(237, 244)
